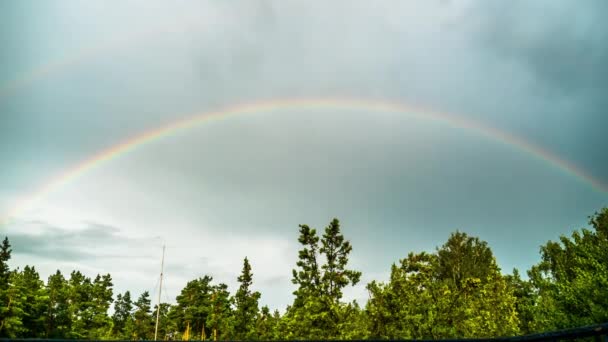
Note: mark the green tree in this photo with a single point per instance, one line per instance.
(308, 277)
(317, 311)
(13, 311)
(5, 299)
(266, 325)
(525, 295)
(101, 300)
(465, 257)
(193, 308)
(246, 305)
(335, 274)
(81, 311)
(221, 317)
(429, 298)
(35, 301)
(143, 323)
(57, 315)
(571, 276)
(122, 318)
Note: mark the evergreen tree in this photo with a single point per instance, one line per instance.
(57, 320)
(81, 311)
(35, 301)
(5, 299)
(317, 310)
(246, 305)
(5, 256)
(308, 278)
(193, 308)
(266, 325)
(335, 274)
(13, 311)
(122, 318)
(220, 318)
(143, 323)
(101, 293)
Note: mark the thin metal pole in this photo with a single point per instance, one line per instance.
(162, 266)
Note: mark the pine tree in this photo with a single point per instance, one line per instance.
(142, 318)
(246, 305)
(5, 256)
(308, 278)
(335, 274)
(35, 299)
(193, 307)
(81, 312)
(101, 301)
(5, 274)
(220, 318)
(317, 310)
(122, 318)
(57, 316)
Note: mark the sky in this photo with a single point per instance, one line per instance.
(77, 78)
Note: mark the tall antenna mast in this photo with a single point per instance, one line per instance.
(162, 266)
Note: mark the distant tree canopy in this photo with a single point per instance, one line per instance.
(456, 291)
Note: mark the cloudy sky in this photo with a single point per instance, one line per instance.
(77, 78)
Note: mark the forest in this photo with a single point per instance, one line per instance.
(456, 291)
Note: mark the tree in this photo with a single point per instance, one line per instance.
(526, 296)
(57, 320)
(335, 274)
(429, 298)
(246, 305)
(193, 307)
(569, 277)
(220, 318)
(122, 318)
(143, 323)
(308, 277)
(81, 312)
(35, 299)
(317, 310)
(5, 274)
(5, 256)
(13, 310)
(101, 293)
(464, 257)
(266, 325)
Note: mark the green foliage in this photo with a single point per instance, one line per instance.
(57, 316)
(143, 323)
(246, 306)
(193, 307)
(122, 319)
(220, 318)
(572, 277)
(317, 311)
(457, 291)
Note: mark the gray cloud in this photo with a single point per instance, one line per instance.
(55, 243)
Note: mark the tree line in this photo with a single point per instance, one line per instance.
(457, 291)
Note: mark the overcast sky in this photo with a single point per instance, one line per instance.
(79, 77)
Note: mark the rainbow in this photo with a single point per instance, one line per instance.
(172, 128)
